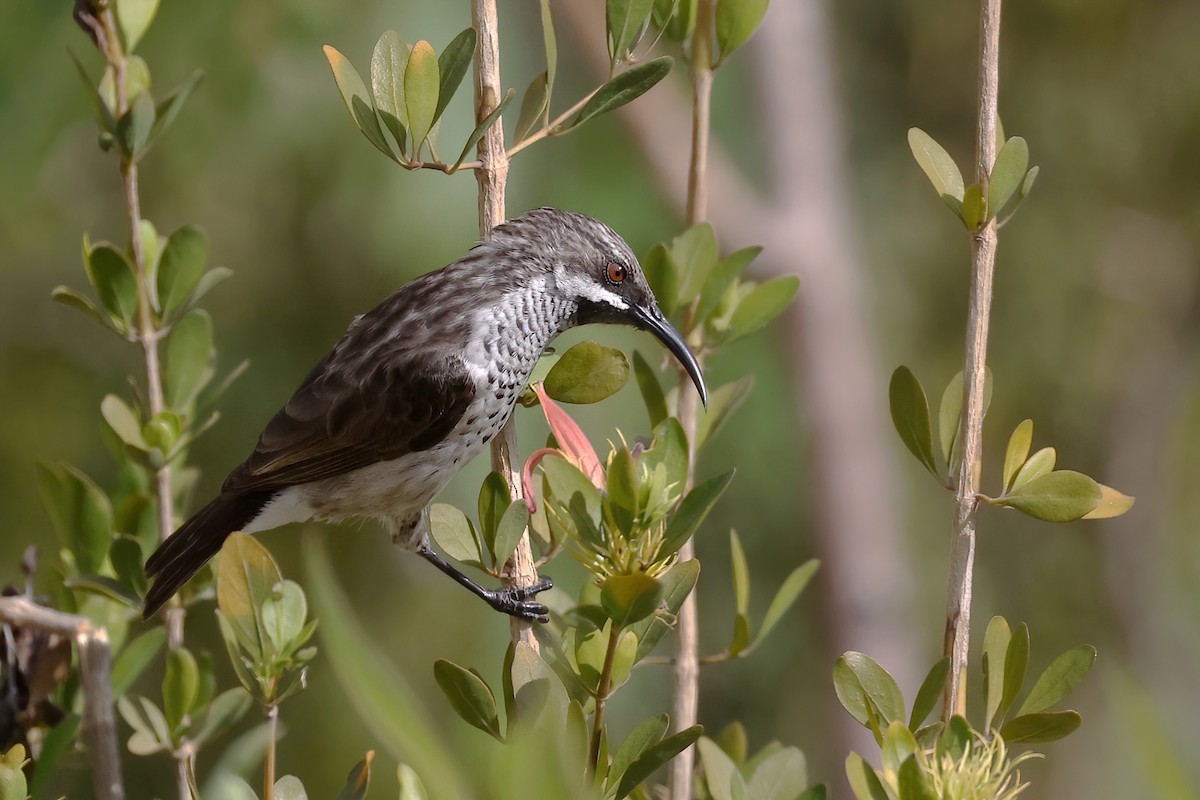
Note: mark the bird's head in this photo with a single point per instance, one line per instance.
(591, 267)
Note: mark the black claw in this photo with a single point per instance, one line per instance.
(515, 601)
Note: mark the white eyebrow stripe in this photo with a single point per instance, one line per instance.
(589, 290)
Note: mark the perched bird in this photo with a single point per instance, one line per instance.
(417, 387)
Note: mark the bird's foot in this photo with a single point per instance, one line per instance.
(517, 601)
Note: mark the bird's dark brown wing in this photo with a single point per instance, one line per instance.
(341, 419)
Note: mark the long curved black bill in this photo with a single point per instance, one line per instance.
(652, 319)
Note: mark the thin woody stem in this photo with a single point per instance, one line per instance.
(603, 689)
(687, 658)
(983, 261)
(492, 176)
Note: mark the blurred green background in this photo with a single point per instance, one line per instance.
(1094, 335)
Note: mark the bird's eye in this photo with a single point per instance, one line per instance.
(616, 273)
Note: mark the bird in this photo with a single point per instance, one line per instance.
(417, 387)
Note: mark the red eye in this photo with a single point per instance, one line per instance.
(616, 273)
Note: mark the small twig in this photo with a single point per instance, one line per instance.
(552, 128)
(492, 175)
(269, 760)
(603, 689)
(983, 262)
(95, 670)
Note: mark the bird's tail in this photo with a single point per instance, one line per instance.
(200, 538)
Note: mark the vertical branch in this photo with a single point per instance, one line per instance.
(269, 760)
(492, 176)
(983, 261)
(687, 656)
(603, 689)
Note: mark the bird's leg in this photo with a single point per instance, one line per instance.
(515, 601)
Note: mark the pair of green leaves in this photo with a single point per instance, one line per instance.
(1034, 487)
(501, 523)
(744, 640)
(411, 85)
(774, 773)
(190, 709)
(1008, 185)
(263, 619)
(910, 415)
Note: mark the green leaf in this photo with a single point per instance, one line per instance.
(645, 734)
(533, 108)
(650, 388)
(863, 781)
(721, 278)
(359, 103)
(1017, 452)
(974, 207)
(736, 21)
(170, 105)
(180, 685)
(421, 82)
(1008, 173)
(624, 88)
(358, 779)
(587, 373)
(630, 598)
(246, 578)
(781, 776)
(1112, 504)
(663, 275)
(692, 511)
(455, 534)
(694, 254)
(180, 268)
(1058, 680)
(910, 415)
(937, 164)
(80, 511)
(955, 739)
(818, 792)
(655, 756)
(789, 591)
(722, 402)
(190, 357)
(389, 709)
(995, 649)
(57, 742)
(113, 277)
(494, 500)
(104, 586)
(928, 694)
(411, 787)
(388, 63)
(482, 128)
(857, 678)
(452, 66)
(1037, 465)
(913, 782)
(627, 21)
(508, 532)
(125, 555)
(1059, 496)
(134, 126)
(550, 45)
(133, 19)
(284, 614)
(898, 745)
(470, 697)
(134, 657)
(69, 297)
(677, 583)
(225, 709)
(1041, 727)
(741, 573)
(720, 773)
(122, 420)
(1016, 660)
(104, 115)
(764, 303)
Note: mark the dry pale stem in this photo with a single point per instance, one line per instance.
(269, 760)
(95, 670)
(983, 261)
(687, 655)
(492, 175)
